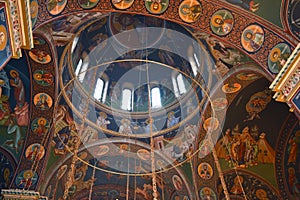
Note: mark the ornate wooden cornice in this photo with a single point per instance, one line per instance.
(286, 84)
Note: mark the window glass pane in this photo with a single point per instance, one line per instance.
(78, 67)
(181, 84)
(74, 44)
(105, 91)
(126, 99)
(195, 66)
(98, 89)
(176, 92)
(83, 71)
(196, 59)
(155, 97)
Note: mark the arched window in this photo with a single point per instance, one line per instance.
(98, 93)
(105, 90)
(175, 86)
(101, 87)
(78, 67)
(181, 84)
(74, 44)
(178, 84)
(193, 60)
(155, 97)
(126, 99)
(82, 69)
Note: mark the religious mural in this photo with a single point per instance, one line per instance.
(122, 4)
(64, 28)
(224, 57)
(242, 185)
(292, 161)
(261, 8)
(7, 168)
(157, 7)
(55, 7)
(5, 42)
(119, 158)
(34, 9)
(247, 143)
(14, 106)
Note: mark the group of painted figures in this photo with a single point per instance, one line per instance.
(13, 113)
(245, 149)
(128, 127)
(67, 129)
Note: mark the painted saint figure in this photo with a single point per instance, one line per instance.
(222, 22)
(19, 91)
(237, 188)
(101, 120)
(35, 152)
(125, 127)
(293, 149)
(190, 13)
(172, 120)
(42, 102)
(41, 127)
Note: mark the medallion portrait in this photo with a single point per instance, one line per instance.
(190, 10)
(221, 22)
(252, 38)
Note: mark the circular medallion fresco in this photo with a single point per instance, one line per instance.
(26, 179)
(221, 22)
(231, 87)
(252, 38)
(43, 77)
(157, 7)
(247, 76)
(177, 182)
(103, 149)
(143, 154)
(207, 193)
(122, 4)
(40, 126)
(55, 7)
(219, 103)
(39, 56)
(35, 152)
(42, 101)
(3, 37)
(87, 4)
(190, 10)
(34, 8)
(211, 123)
(278, 57)
(205, 171)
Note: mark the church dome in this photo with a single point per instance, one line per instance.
(125, 69)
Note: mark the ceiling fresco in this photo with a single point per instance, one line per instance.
(133, 99)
